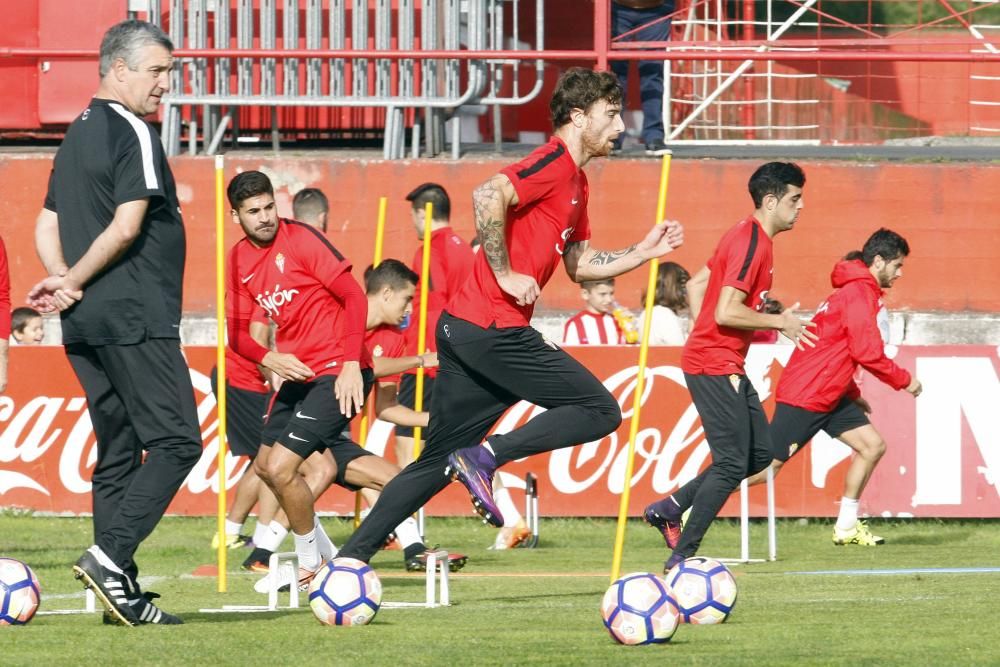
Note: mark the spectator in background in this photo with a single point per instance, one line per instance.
(26, 326)
(595, 324)
(627, 15)
(771, 307)
(4, 316)
(669, 320)
(312, 207)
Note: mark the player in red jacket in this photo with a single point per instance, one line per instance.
(817, 391)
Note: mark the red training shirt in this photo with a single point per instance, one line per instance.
(551, 212)
(386, 341)
(451, 266)
(816, 378)
(744, 260)
(293, 282)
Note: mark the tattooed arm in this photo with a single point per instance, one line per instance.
(490, 202)
(585, 263)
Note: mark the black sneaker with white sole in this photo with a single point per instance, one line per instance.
(656, 148)
(109, 586)
(147, 612)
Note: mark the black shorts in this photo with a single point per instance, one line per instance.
(345, 450)
(407, 396)
(793, 427)
(305, 417)
(245, 413)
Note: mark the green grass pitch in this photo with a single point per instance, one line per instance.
(540, 606)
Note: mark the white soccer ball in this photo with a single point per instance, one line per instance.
(19, 592)
(345, 591)
(704, 589)
(637, 609)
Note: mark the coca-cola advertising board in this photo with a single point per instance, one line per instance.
(943, 455)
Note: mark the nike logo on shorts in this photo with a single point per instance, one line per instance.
(295, 437)
(302, 416)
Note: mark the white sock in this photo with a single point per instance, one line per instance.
(259, 533)
(104, 559)
(233, 528)
(307, 548)
(274, 534)
(507, 507)
(407, 532)
(848, 513)
(327, 549)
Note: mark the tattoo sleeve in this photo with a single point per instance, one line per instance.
(603, 257)
(490, 209)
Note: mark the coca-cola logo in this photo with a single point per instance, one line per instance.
(62, 424)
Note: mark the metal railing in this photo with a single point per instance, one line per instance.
(314, 66)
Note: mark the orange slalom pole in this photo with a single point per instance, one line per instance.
(383, 203)
(220, 362)
(425, 278)
(654, 265)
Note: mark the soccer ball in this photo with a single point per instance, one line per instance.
(704, 589)
(345, 592)
(19, 592)
(637, 609)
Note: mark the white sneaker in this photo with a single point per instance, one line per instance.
(276, 580)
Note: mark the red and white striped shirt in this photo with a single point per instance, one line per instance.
(587, 328)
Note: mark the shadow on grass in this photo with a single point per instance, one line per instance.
(543, 596)
(201, 618)
(933, 538)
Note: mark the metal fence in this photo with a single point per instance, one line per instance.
(269, 54)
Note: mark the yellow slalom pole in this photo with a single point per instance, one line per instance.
(654, 265)
(425, 280)
(220, 362)
(383, 203)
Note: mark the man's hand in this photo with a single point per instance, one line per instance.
(864, 405)
(350, 389)
(915, 387)
(523, 288)
(286, 366)
(430, 359)
(796, 330)
(54, 293)
(661, 239)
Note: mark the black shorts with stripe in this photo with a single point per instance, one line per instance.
(407, 397)
(305, 417)
(793, 427)
(245, 413)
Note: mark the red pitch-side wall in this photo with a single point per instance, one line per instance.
(943, 457)
(948, 212)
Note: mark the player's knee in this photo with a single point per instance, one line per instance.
(277, 475)
(731, 471)
(322, 472)
(873, 450)
(608, 414)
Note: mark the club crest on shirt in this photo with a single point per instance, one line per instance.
(377, 351)
(279, 261)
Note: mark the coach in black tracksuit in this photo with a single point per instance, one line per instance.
(112, 240)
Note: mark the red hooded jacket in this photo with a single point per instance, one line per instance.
(816, 378)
